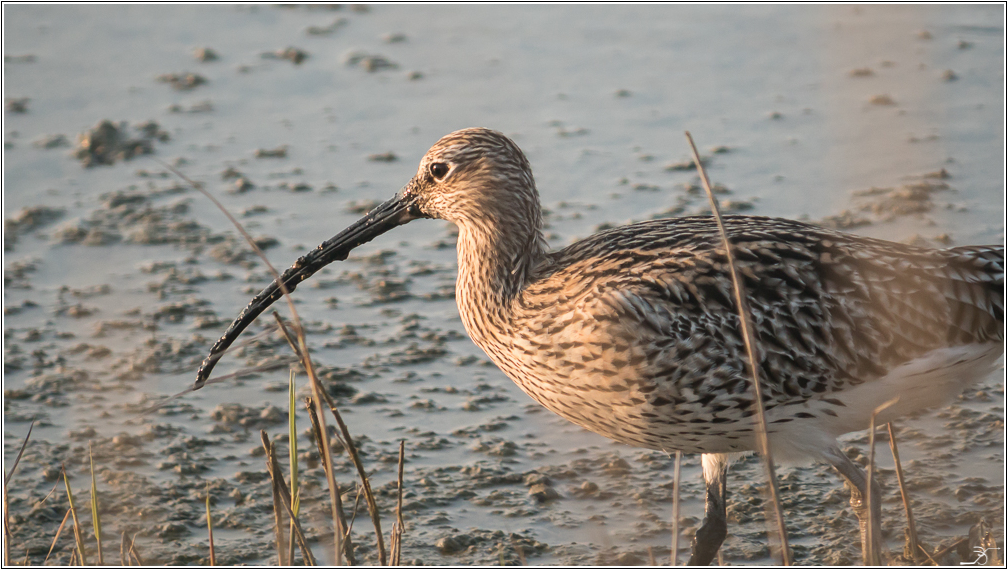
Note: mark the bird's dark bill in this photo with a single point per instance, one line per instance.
(395, 212)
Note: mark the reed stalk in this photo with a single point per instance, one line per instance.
(95, 516)
(76, 523)
(56, 538)
(351, 449)
(8, 537)
(916, 552)
(345, 543)
(774, 509)
(209, 523)
(873, 555)
(124, 559)
(676, 479)
(397, 528)
(316, 386)
(293, 449)
(134, 553)
(280, 486)
(368, 495)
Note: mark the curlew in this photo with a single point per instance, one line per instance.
(633, 332)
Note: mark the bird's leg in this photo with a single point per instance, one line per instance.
(857, 481)
(714, 528)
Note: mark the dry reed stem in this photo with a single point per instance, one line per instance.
(292, 449)
(73, 514)
(356, 503)
(776, 512)
(368, 495)
(676, 479)
(278, 533)
(397, 528)
(8, 536)
(316, 386)
(268, 367)
(350, 447)
(928, 555)
(651, 558)
(7, 477)
(915, 547)
(873, 556)
(318, 390)
(55, 538)
(209, 523)
(345, 541)
(941, 553)
(133, 552)
(301, 351)
(95, 516)
(123, 557)
(273, 466)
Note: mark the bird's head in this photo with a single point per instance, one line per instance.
(477, 178)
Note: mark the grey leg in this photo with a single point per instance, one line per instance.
(714, 528)
(857, 481)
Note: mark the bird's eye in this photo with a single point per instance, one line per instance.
(439, 170)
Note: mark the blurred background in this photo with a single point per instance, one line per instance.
(887, 121)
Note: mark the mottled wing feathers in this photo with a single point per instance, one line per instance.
(975, 293)
(830, 310)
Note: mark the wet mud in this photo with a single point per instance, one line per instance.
(118, 275)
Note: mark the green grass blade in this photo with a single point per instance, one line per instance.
(95, 517)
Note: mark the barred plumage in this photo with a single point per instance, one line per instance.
(633, 332)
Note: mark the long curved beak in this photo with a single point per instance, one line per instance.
(399, 210)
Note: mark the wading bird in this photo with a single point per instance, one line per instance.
(633, 333)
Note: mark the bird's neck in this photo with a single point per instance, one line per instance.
(496, 262)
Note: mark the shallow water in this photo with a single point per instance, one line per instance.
(117, 278)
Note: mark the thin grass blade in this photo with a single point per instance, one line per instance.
(24, 443)
(397, 528)
(918, 554)
(344, 543)
(273, 466)
(95, 516)
(209, 523)
(134, 553)
(58, 532)
(76, 522)
(123, 556)
(318, 392)
(281, 540)
(874, 555)
(368, 495)
(8, 536)
(774, 510)
(293, 452)
(676, 479)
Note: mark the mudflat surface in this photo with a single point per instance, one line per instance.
(886, 121)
